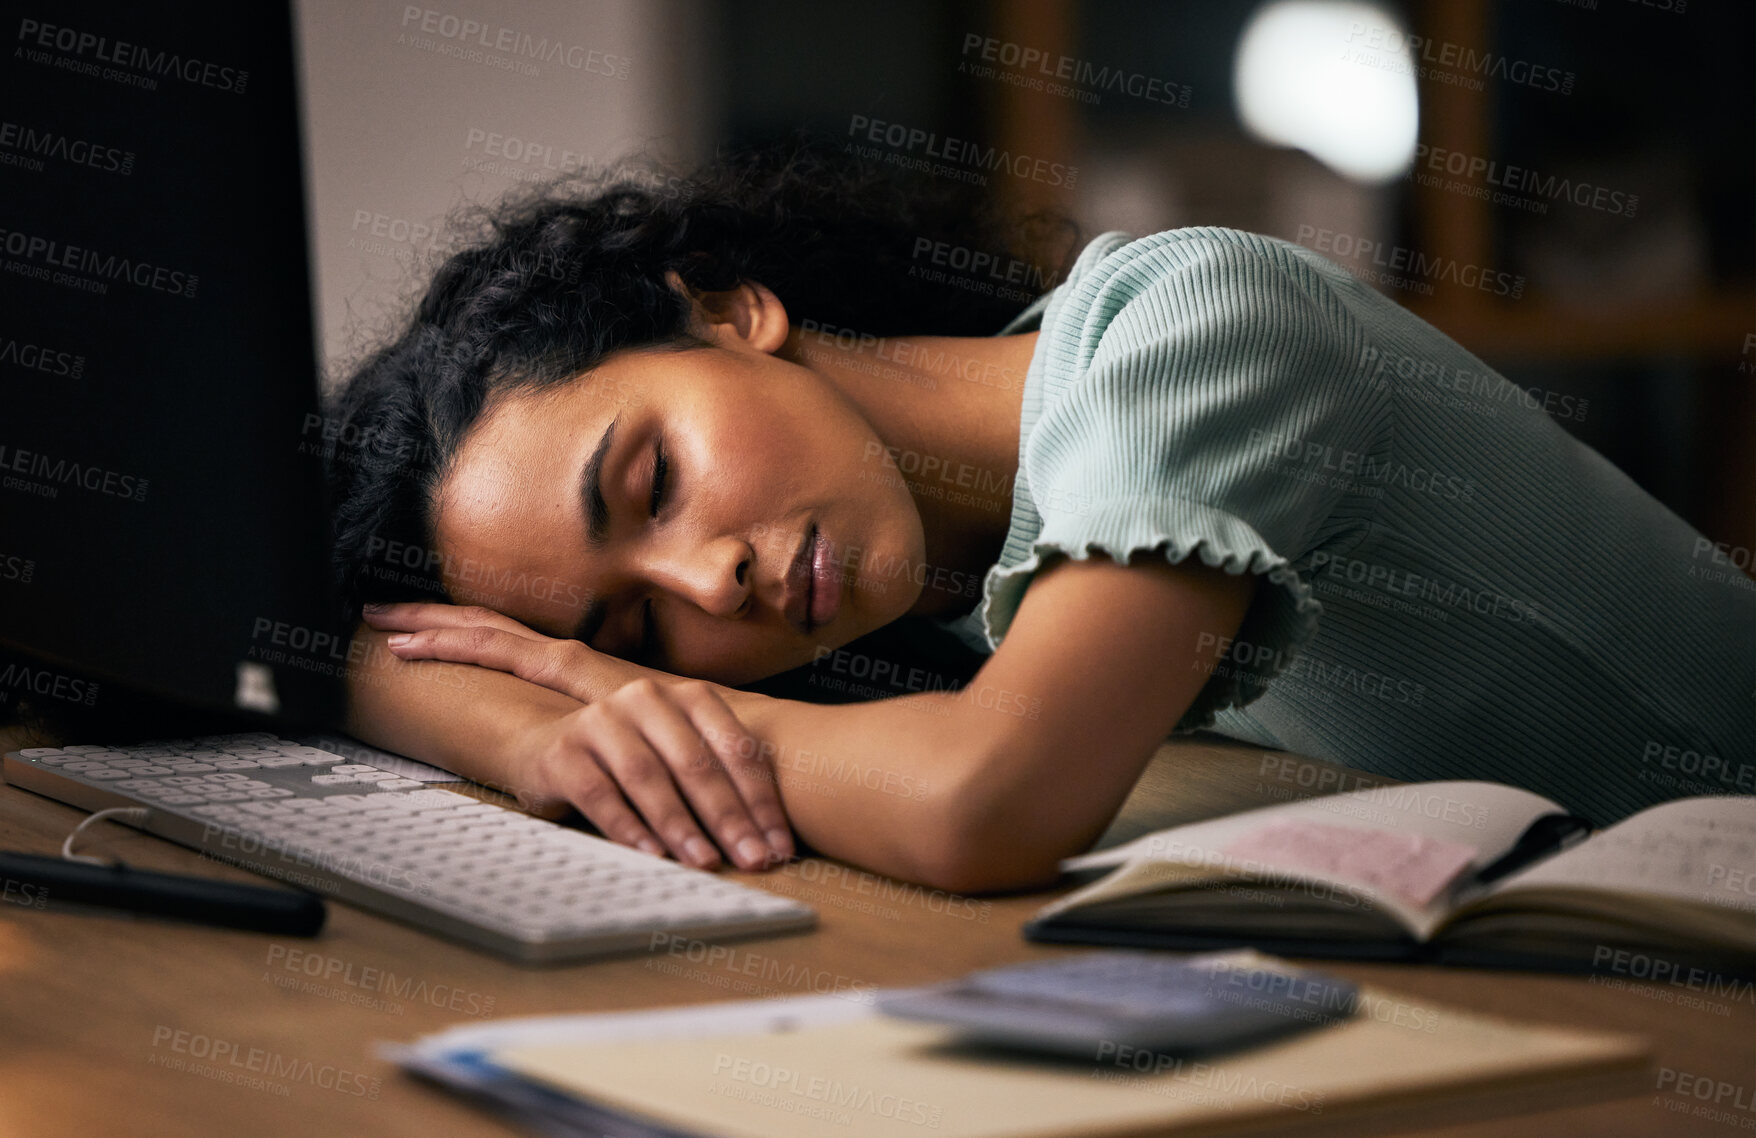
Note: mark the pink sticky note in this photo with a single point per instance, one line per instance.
(1411, 867)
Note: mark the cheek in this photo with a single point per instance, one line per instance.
(732, 655)
(761, 466)
(791, 427)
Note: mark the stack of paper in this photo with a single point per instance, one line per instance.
(824, 1065)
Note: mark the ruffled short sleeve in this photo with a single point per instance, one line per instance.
(1201, 394)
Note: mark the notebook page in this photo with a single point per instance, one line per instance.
(1694, 849)
(1485, 815)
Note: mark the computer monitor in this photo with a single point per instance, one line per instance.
(162, 529)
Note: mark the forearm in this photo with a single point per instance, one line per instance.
(1030, 762)
(930, 787)
(984, 788)
(471, 720)
(462, 717)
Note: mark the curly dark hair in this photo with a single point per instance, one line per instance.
(552, 281)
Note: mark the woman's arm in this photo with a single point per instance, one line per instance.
(461, 717)
(985, 788)
(1031, 761)
(623, 743)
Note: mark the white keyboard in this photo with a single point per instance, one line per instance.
(483, 874)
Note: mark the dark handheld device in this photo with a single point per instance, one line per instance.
(1090, 1005)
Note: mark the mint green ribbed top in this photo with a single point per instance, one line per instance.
(1455, 587)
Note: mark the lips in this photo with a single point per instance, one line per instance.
(796, 601)
(813, 587)
(825, 581)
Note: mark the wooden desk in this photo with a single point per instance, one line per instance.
(92, 1004)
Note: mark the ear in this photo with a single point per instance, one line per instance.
(748, 316)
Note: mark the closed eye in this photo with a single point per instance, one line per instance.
(661, 469)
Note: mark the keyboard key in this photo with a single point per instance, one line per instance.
(440, 798)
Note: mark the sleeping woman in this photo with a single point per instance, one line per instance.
(660, 441)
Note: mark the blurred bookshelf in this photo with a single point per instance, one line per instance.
(1696, 338)
(1708, 323)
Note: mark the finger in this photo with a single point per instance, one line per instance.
(740, 754)
(593, 793)
(550, 663)
(646, 782)
(412, 616)
(704, 780)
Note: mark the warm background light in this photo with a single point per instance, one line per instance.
(1332, 79)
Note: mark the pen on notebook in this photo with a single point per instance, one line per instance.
(1549, 834)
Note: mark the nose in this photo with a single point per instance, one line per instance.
(716, 575)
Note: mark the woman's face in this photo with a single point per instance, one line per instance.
(712, 512)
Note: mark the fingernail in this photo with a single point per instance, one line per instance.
(400, 639)
(780, 842)
(753, 852)
(699, 851)
(374, 607)
(647, 845)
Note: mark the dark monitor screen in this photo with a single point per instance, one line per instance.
(161, 514)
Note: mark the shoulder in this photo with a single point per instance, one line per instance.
(1202, 290)
(1203, 310)
(1117, 264)
(1185, 369)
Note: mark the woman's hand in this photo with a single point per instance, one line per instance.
(470, 634)
(646, 762)
(643, 761)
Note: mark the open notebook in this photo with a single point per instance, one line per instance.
(1387, 873)
(805, 1067)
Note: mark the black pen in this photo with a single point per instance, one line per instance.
(1549, 834)
(40, 882)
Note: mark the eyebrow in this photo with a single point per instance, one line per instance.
(597, 512)
(597, 525)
